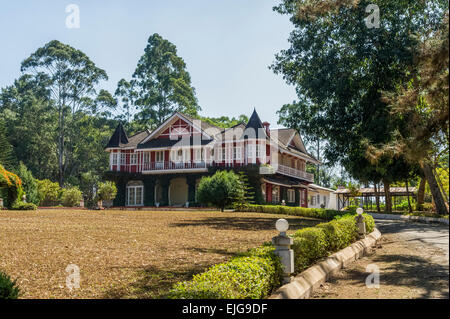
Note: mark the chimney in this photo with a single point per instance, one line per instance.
(267, 127)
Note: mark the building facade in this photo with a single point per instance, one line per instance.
(163, 167)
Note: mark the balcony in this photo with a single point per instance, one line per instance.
(292, 172)
(174, 167)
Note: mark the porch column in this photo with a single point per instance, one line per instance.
(297, 197)
(165, 183)
(149, 191)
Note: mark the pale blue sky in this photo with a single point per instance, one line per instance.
(227, 45)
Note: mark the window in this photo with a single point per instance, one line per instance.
(250, 151)
(224, 154)
(135, 192)
(123, 159)
(313, 200)
(318, 199)
(325, 201)
(258, 151)
(199, 154)
(291, 195)
(159, 156)
(237, 153)
(114, 159)
(276, 194)
(133, 159)
(146, 157)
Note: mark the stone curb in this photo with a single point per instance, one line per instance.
(410, 218)
(304, 284)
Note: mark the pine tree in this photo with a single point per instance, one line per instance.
(6, 149)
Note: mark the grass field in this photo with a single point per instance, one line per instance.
(124, 254)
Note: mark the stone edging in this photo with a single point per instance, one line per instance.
(410, 218)
(303, 285)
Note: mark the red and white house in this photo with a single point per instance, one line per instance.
(163, 167)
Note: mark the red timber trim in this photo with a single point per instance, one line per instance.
(304, 197)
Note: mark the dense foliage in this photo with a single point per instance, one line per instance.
(221, 190)
(8, 287)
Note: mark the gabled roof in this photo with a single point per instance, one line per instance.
(283, 137)
(119, 137)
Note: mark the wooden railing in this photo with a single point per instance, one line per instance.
(289, 171)
(161, 166)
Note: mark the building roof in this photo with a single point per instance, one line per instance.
(119, 137)
(254, 127)
(396, 191)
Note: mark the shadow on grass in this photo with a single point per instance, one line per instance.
(153, 283)
(411, 272)
(246, 223)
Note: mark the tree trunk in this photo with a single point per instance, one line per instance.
(442, 188)
(441, 209)
(377, 196)
(421, 194)
(407, 195)
(388, 199)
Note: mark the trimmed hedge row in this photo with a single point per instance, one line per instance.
(320, 213)
(256, 273)
(314, 243)
(251, 275)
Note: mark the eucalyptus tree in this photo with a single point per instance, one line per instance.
(72, 78)
(159, 86)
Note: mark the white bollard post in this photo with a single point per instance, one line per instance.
(282, 244)
(360, 224)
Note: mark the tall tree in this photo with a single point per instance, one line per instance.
(420, 106)
(160, 85)
(340, 68)
(6, 150)
(72, 77)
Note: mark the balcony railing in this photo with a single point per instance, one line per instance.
(161, 166)
(289, 171)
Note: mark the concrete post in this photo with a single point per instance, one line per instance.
(282, 244)
(360, 224)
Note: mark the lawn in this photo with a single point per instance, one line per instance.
(124, 254)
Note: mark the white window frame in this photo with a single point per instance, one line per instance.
(134, 202)
(123, 158)
(114, 159)
(237, 153)
(133, 159)
(276, 197)
(146, 157)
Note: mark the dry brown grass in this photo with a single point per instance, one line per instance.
(123, 254)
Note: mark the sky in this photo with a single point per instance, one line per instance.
(227, 45)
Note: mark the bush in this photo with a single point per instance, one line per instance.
(221, 189)
(319, 213)
(310, 244)
(106, 191)
(252, 275)
(71, 197)
(256, 273)
(19, 205)
(29, 184)
(8, 287)
(48, 192)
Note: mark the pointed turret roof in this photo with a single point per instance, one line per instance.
(119, 137)
(255, 126)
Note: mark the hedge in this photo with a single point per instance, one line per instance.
(251, 275)
(255, 274)
(319, 213)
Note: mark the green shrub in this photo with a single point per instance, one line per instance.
(339, 232)
(48, 192)
(310, 244)
(221, 190)
(71, 197)
(19, 205)
(319, 213)
(29, 184)
(106, 191)
(250, 276)
(8, 287)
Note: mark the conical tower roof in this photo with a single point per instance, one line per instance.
(119, 137)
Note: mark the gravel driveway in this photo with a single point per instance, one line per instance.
(413, 260)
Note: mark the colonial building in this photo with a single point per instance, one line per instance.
(163, 167)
